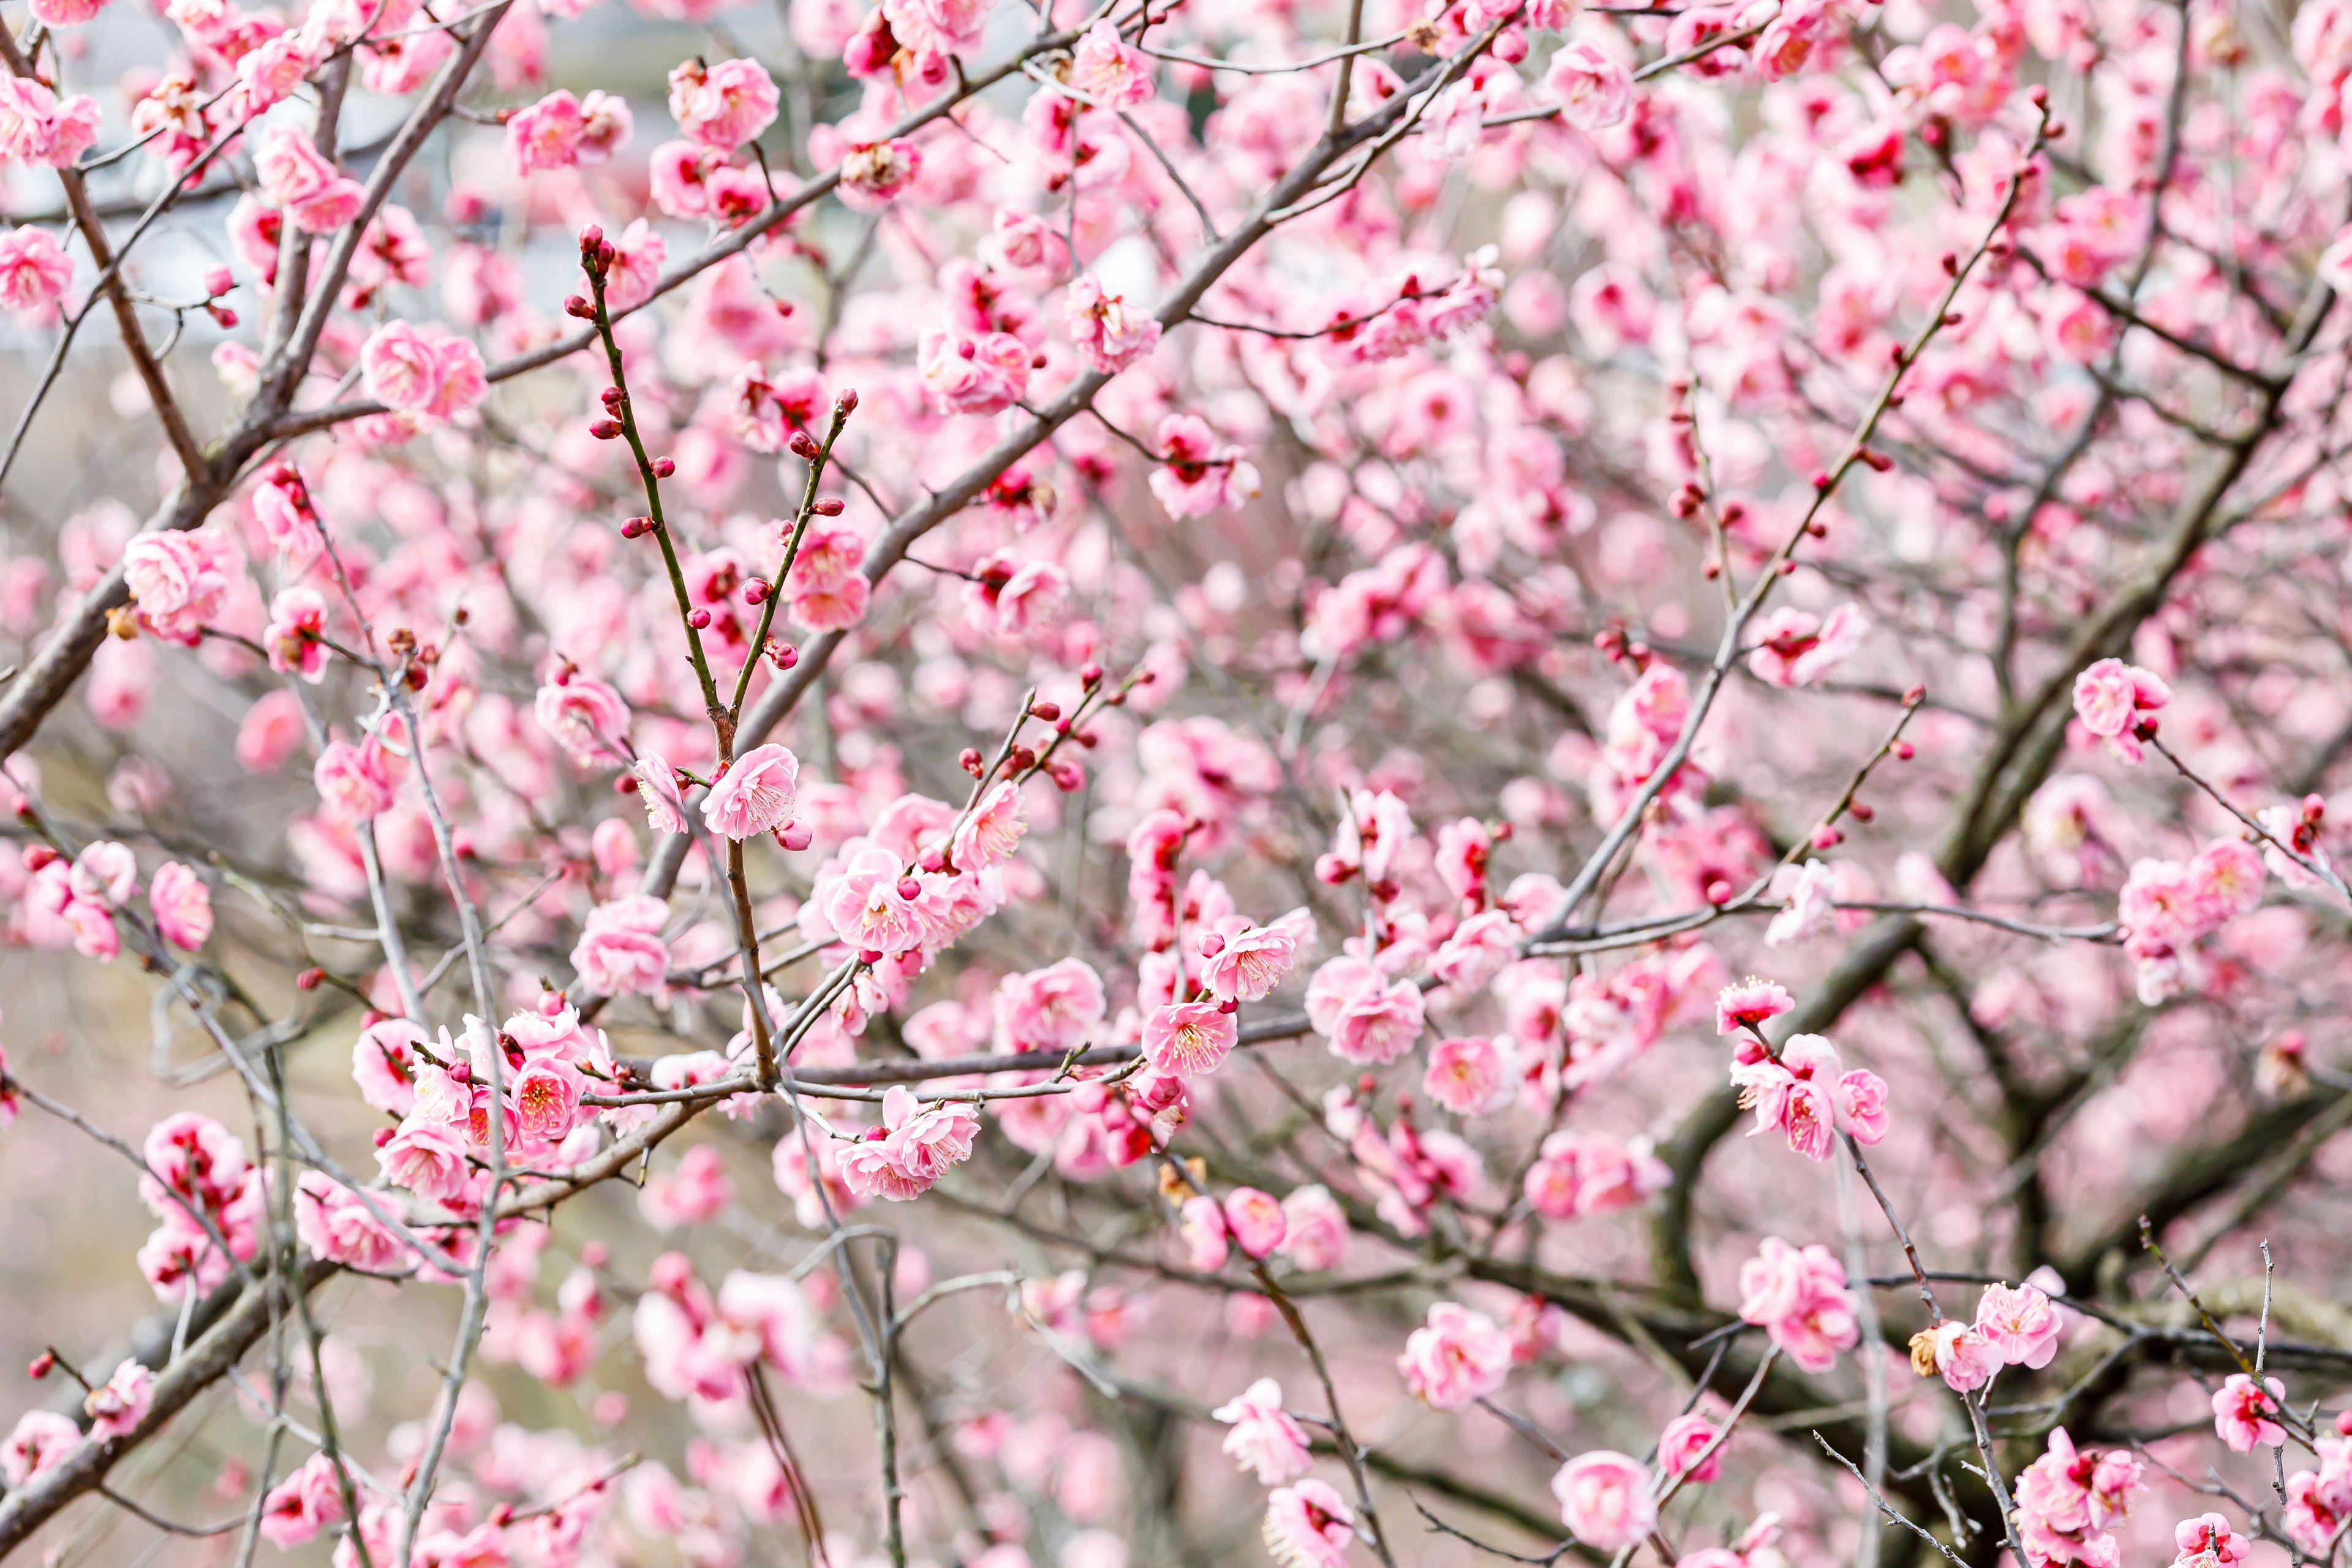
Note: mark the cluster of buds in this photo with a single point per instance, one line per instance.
(217, 282)
(1618, 648)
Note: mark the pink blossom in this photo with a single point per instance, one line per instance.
(1966, 1358)
(876, 174)
(1685, 1439)
(33, 269)
(546, 134)
(725, 105)
(1604, 1499)
(1201, 1226)
(1265, 1440)
(1050, 1009)
(621, 952)
(1578, 1173)
(1480, 948)
(1110, 334)
(2242, 1413)
(296, 633)
(179, 582)
(117, 1407)
(1470, 1075)
(937, 27)
(657, 791)
(42, 1440)
(2066, 1500)
(2208, 1542)
(181, 904)
(1456, 1358)
(1186, 1040)
(1795, 649)
(1593, 90)
(428, 1158)
(354, 782)
(1110, 72)
(914, 1147)
(877, 906)
(426, 371)
(37, 126)
(756, 795)
(2114, 700)
(974, 375)
(1367, 1016)
(1804, 1095)
(1254, 1220)
(693, 1192)
(335, 1224)
(1800, 1297)
(1247, 965)
(1308, 1526)
(298, 177)
(1315, 1229)
(1749, 1005)
(1197, 475)
(2020, 1323)
(302, 1504)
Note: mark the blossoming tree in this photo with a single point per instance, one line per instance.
(1035, 782)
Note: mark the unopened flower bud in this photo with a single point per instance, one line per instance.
(804, 445)
(1827, 836)
(385, 1135)
(636, 526)
(795, 835)
(1022, 759)
(612, 397)
(310, 979)
(42, 1365)
(591, 238)
(1861, 811)
(219, 281)
(755, 592)
(909, 888)
(606, 429)
(1049, 712)
(1211, 945)
(664, 467)
(969, 760)
(1090, 675)
(698, 617)
(223, 316)
(828, 506)
(1905, 751)
(578, 305)
(782, 655)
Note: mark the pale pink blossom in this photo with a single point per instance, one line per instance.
(1471, 1075)
(1254, 1220)
(2021, 1323)
(756, 795)
(1050, 1009)
(1456, 1358)
(1687, 1436)
(2243, 1412)
(1109, 333)
(301, 1505)
(117, 1407)
(1186, 1040)
(1793, 648)
(42, 1440)
(1197, 475)
(621, 952)
(914, 1147)
(428, 1158)
(1264, 1440)
(33, 269)
(1593, 90)
(1604, 1499)
(181, 904)
(1367, 1016)
(1798, 1296)
(299, 179)
(725, 105)
(1307, 1525)
(876, 906)
(1110, 72)
(2114, 700)
(1315, 1229)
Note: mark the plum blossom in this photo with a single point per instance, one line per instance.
(757, 794)
(1264, 1440)
(1367, 1016)
(1798, 1296)
(2068, 1500)
(1793, 648)
(1197, 476)
(1593, 90)
(2243, 1412)
(1307, 1525)
(1109, 333)
(914, 1147)
(298, 177)
(621, 952)
(1803, 1093)
(1456, 1358)
(2115, 701)
(1604, 1499)
(725, 105)
(33, 269)
(1185, 1039)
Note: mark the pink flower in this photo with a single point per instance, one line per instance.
(428, 1158)
(694, 1192)
(1684, 1440)
(1197, 476)
(1581, 1174)
(1749, 1005)
(2066, 1500)
(37, 126)
(181, 904)
(2242, 1412)
(1367, 1016)
(969, 374)
(1456, 1358)
(756, 795)
(1201, 1226)
(986, 836)
(1315, 1229)
(914, 1147)
(354, 782)
(1593, 90)
(1050, 1009)
(2208, 1542)
(2020, 1323)
(1470, 1076)
(725, 105)
(1966, 1358)
(179, 582)
(43, 1440)
(1480, 948)
(334, 1223)
(1800, 1297)
(302, 1504)
(937, 27)
(546, 135)
(620, 951)
(546, 1098)
(1254, 1220)
(298, 178)
(1604, 1499)
(1247, 965)
(118, 1405)
(1111, 336)
(1185, 1039)
(1794, 649)
(876, 174)
(2319, 1502)
(296, 633)
(1308, 1526)
(33, 269)
(1110, 72)
(2113, 699)
(657, 791)
(877, 907)
(1265, 1440)
(586, 716)
(424, 369)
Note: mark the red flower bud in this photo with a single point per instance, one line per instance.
(42, 1365)
(804, 445)
(664, 467)
(606, 429)
(829, 506)
(310, 979)
(845, 400)
(698, 617)
(1049, 712)
(579, 305)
